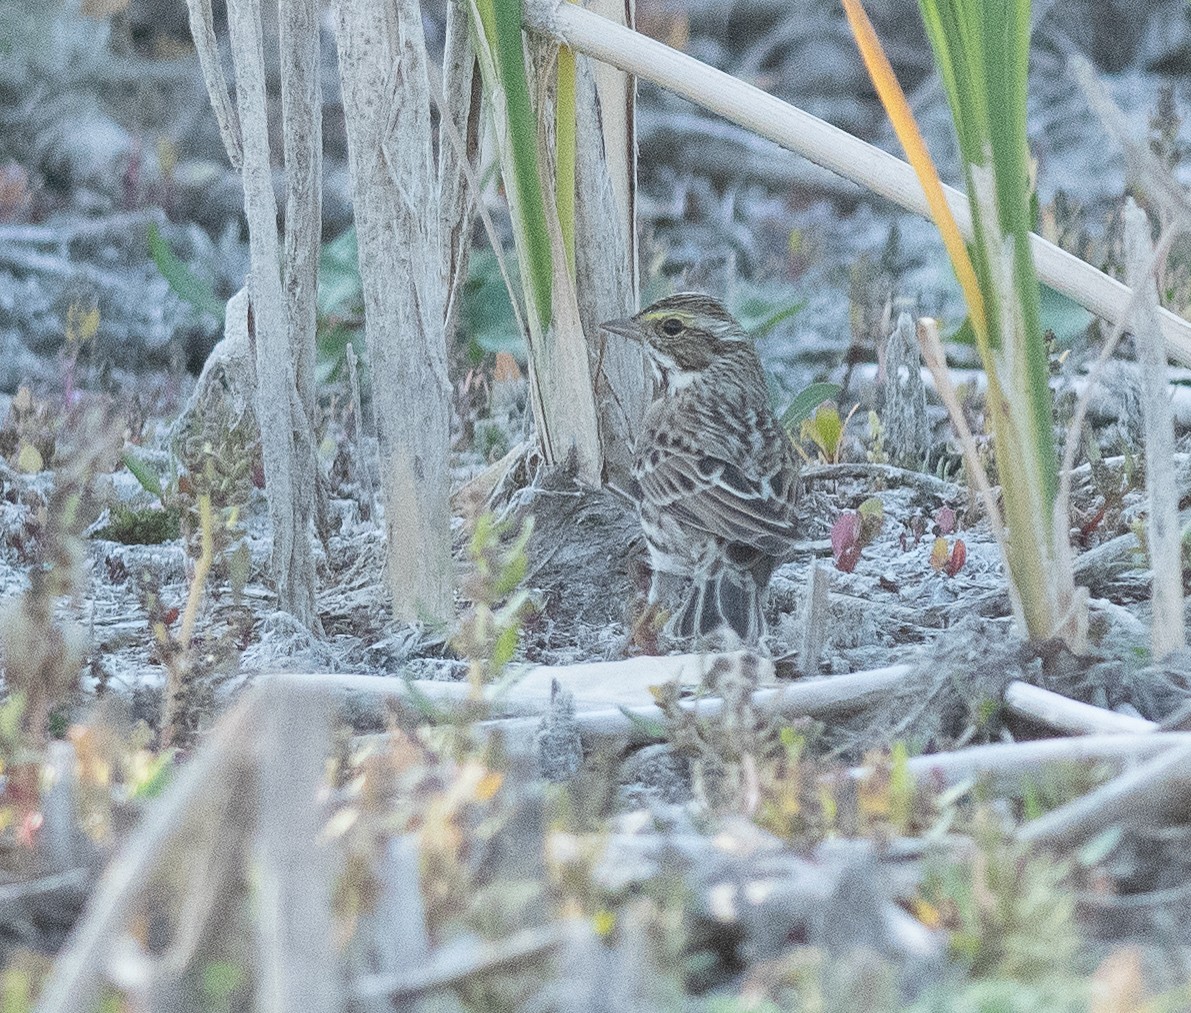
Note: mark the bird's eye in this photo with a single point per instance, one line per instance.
(672, 327)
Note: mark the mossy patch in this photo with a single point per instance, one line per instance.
(148, 526)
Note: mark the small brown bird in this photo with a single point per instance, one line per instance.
(717, 477)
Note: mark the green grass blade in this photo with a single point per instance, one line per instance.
(565, 148)
(502, 24)
(187, 285)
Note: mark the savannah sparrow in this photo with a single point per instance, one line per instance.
(717, 477)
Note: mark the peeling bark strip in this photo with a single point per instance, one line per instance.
(386, 104)
(202, 30)
(457, 156)
(278, 405)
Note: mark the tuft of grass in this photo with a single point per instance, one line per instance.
(982, 52)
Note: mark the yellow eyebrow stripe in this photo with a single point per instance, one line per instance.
(682, 315)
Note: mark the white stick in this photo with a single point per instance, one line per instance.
(1143, 795)
(1009, 763)
(386, 106)
(1068, 715)
(202, 31)
(292, 556)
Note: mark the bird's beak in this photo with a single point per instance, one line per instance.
(626, 328)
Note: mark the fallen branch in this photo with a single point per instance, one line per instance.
(1010, 764)
(1067, 715)
(456, 962)
(1147, 794)
(74, 982)
(622, 727)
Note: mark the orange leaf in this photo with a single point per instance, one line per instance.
(894, 100)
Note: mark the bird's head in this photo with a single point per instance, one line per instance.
(683, 335)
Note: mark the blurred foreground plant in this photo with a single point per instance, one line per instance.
(490, 631)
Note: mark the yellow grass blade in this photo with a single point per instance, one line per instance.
(894, 100)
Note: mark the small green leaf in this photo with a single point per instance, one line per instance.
(149, 479)
(185, 284)
(339, 287)
(486, 316)
(505, 647)
(806, 401)
(155, 777)
(825, 429)
(653, 729)
(1065, 317)
(901, 788)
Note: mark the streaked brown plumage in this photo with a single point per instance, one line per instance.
(717, 478)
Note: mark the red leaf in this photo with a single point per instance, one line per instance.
(845, 541)
(847, 559)
(955, 563)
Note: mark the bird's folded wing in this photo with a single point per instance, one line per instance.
(719, 498)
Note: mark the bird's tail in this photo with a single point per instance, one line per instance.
(726, 600)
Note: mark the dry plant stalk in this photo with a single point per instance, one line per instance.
(239, 783)
(606, 262)
(1168, 631)
(458, 151)
(560, 373)
(204, 790)
(386, 103)
(286, 427)
(605, 258)
(302, 108)
(202, 30)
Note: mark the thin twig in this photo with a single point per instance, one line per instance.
(1144, 795)
(454, 964)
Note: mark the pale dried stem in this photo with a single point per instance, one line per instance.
(468, 171)
(202, 31)
(301, 105)
(1079, 414)
(1167, 629)
(200, 792)
(386, 103)
(363, 469)
(1066, 715)
(1146, 795)
(936, 361)
(294, 885)
(1010, 766)
(276, 392)
(459, 117)
(605, 261)
(456, 963)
